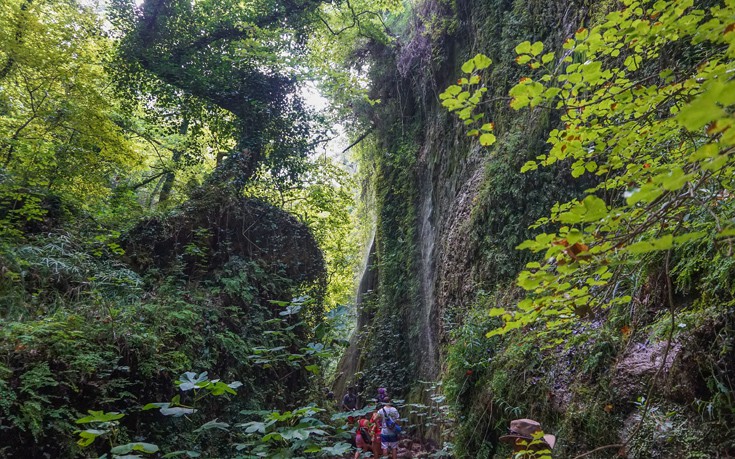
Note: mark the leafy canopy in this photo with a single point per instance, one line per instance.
(56, 130)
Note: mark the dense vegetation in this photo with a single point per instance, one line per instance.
(546, 185)
(158, 221)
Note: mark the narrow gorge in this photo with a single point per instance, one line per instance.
(238, 228)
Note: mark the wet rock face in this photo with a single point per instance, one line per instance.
(455, 266)
(640, 363)
(206, 232)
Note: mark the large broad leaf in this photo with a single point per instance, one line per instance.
(253, 426)
(338, 449)
(190, 380)
(88, 436)
(100, 416)
(214, 424)
(182, 453)
(177, 411)
(167, 410)
(148, 448)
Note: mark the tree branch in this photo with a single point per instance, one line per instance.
(359, 139)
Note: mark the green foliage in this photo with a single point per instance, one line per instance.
(99, 343)
(55, 112)
(342, 29)
(241, 64)
(106, 424)
(323, 198)
(289, 434)
(102, 121)
(41, 275)
(465, 96)
(396, 195)
(612, 110)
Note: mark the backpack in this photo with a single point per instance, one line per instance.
(391, 424)
(365, 435)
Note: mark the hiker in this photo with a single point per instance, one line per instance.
(349, 401)
(521, 437)
(375, 421)
(363, 436)
(382, 395)
(389, 429)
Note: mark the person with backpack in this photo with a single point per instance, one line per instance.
(375, 421)
(389, 429)
(363, 438)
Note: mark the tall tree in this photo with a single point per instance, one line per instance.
(242, 57)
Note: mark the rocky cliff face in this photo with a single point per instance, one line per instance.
(434, 183)
(450, 215)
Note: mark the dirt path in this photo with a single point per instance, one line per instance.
(408, 448)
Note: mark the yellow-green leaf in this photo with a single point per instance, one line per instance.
(487, 139)
(523, 48)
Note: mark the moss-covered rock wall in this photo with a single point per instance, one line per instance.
(450, 215)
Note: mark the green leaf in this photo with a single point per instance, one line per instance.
(537, 48)
(673, 180)
(699, 112)
(468, 66)
(148, 448)
(339, 449)
(529, 166)
(100, 416)
(487, 139)
(651, 245)
(151, 406)
(87, 437)
(726, 232)
(647, 193)
(254, 426)
(177, 411)
(182, 452)
(591, 209)
(214, 424)
(313, 369)
(524, 48)
(450, 92)
(190, 380)
(692, 236)
(482, 61)
(578, 171)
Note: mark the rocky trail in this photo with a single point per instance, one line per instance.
(408, 448)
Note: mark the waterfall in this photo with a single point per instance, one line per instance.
(350, 363)
(429, 367)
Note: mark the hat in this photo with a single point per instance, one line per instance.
(525, 428)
